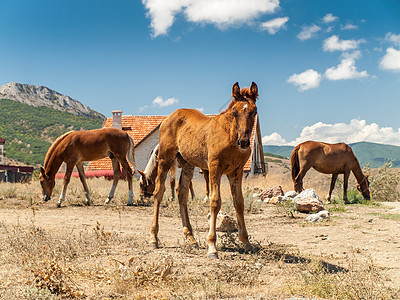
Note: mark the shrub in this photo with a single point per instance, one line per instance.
(383, 185)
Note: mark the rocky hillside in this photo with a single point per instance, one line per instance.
(32, 117)
(37, 95)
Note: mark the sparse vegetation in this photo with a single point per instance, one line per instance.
(29, 130)
(384, 182)
(99, 252)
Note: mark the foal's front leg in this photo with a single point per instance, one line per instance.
(184, 181)
(333, 181)
(345, 184)
(82, 177)
(235, 181)
(215, 206)
(67, 178)
(117, 175)
(163, 168)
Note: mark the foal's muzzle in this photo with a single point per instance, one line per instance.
(46, 198)
(244, 144)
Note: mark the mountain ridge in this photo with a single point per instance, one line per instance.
(35, 116)
(39, 95)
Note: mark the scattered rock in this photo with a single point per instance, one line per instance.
(271, 192)
(225, 223)
(309, 205)
(276, 199)
(308, 193)
(291, 194)
(319, 216)
(308, 201)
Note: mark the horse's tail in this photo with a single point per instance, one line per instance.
(294, 161)
(131, 153)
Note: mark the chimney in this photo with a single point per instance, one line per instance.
(117, 119)
(2, 151)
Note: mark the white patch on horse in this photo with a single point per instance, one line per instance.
(244, 107)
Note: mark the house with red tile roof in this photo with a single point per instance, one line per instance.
(145, 129)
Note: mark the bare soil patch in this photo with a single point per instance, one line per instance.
(101, 252)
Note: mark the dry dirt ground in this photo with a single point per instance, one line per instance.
(101, 252)
(361, 235)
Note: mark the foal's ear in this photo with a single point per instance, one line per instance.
(254, 90)
(142, 173)
(236, 91)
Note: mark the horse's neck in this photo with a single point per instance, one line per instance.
(53, 165)
(358, 172)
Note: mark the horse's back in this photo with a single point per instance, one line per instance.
(327, 158)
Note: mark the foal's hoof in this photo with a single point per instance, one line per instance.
(107, 201)
(194, 246)
(153, 246)
(248, 248)
(212, 255)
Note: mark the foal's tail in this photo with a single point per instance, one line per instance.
(294, 160)
(131, 153)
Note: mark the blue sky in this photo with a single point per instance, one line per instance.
(326, 70)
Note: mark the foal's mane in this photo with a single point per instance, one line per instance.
(53, 146)
(245, 93)
(152, 164)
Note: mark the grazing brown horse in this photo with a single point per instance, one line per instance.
(76, 147)
(326, 158)
(149, 175)
(219, 144)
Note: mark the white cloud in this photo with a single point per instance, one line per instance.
(328, 18)
(393, 38)
(355, 131)
(391, 60)
(160, 102)
(334, 44)
(307, 80)
(353, 55)
(345, 70)
(274, 25)
(308, 32)
(222, 13)
(349, 27)
(273, 139)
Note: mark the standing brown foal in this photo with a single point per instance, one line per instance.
(219, 144)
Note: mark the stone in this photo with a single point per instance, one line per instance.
(307, 205)
(319, 216)
(291, 194)
(225, 223)
(309, 193)
(271, 192)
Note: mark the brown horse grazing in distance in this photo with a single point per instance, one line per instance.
(219, 144)
(76, 147)
(149, 175)
(326, 158)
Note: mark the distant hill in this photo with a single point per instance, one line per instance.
(29, 129)
(38, 95)
(366, 152)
